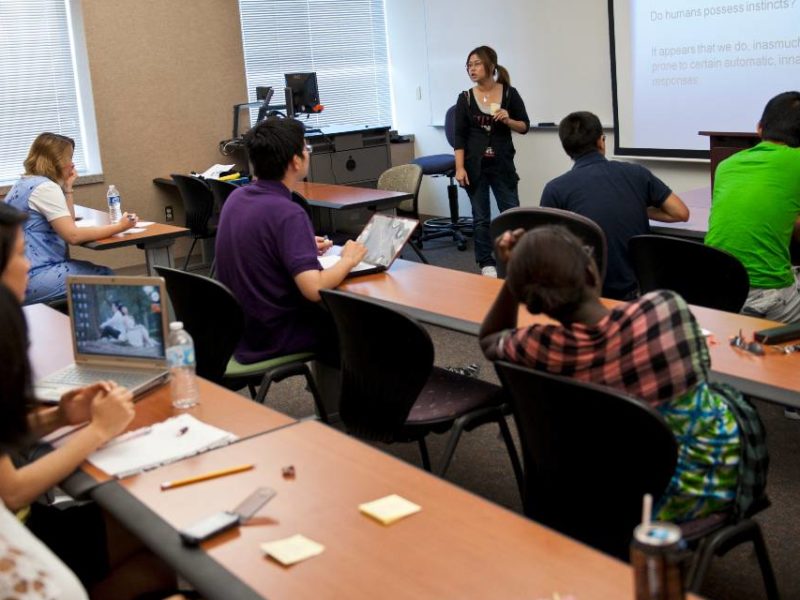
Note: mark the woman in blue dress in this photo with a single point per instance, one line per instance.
(44, 192)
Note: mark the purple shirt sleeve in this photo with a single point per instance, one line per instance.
(297, 246)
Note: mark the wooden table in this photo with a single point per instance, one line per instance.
(51, 349)
(332, 198)
(458, 546)
(156, 241)
(459, 301)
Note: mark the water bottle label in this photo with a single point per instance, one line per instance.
(113, 200)
(180, 356)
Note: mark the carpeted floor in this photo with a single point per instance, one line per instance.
(481, 464)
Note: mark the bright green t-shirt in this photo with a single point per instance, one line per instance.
(755, 205)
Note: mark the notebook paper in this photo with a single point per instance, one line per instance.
(159, 444)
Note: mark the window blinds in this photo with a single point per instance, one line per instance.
(38, 83)
(343, 41)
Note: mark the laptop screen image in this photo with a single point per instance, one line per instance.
(117, 320)
(384, 237)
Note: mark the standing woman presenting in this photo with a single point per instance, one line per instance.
(485, 117)
(45, 194)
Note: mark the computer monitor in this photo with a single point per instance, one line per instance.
(305, 96)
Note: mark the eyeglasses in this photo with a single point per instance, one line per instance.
(476, 63)
(309, 148)
(753, 347)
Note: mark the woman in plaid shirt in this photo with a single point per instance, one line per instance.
(651, 348)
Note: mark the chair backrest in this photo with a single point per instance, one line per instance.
(531, 217)
(403, 178)
(703, 275)
(386, 359)
(198, 203)
(590, 453)
(210, 313)
(450, 126)
(220, 190)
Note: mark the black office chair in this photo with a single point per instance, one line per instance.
(213, 317)
(703, 275)
(406, 178)
(529, 218)
(590, 453)
(444, 165)
(198, 204)
(220, 190)
(391, 392)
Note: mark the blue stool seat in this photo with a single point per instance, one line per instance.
(436, 164)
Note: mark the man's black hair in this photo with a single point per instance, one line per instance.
(272, 144)
(579, 132)
(781, 119)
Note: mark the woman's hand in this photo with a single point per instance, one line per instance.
(502, 116)
(127, 221)
(461, 177)
(70, 175)
(504, 244)
(76, 405)
(112, 411)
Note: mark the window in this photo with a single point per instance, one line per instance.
(343, 41)
(44, 82)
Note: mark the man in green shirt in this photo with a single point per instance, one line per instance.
(755, 211)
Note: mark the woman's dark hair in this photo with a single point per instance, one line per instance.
(10, 220)
(547, 271)
(579, 132)
(16, 392)
(272, 144)
(781, 119)
(489, 59)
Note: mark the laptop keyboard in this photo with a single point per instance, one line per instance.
(80, 376)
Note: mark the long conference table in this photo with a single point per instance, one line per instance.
(459, 301)
(458, 546)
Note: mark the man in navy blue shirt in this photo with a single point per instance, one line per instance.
(618, 196)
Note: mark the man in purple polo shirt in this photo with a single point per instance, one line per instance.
(267, 253)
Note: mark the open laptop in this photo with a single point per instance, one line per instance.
(119, 332)
(384, 236)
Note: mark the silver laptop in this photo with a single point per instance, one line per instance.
(119, 332)
(384, 236)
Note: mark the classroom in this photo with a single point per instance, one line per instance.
(162, 80)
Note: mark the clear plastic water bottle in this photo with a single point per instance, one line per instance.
(114, 204)
(181, 361)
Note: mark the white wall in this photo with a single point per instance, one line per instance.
(539, 153)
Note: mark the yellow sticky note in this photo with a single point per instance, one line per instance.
(291, 550)
(389, 509)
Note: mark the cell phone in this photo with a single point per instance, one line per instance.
(224, 520)
(208, 527)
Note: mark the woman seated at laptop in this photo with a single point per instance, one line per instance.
(550, 272)
(135, 334)
(45, 193)
(30, 568)
(107, 407)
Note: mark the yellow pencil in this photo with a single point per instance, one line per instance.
(168, 485)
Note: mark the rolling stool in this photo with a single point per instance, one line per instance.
(444, 165)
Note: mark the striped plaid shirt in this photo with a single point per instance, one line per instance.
(651, 348)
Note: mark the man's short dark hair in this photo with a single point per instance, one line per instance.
(781, 119)
(272, 144)
(579, 132)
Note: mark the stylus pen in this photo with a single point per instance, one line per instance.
(168, 485)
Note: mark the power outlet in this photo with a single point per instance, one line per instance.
(169, 214)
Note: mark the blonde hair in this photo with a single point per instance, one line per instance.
(48, 152)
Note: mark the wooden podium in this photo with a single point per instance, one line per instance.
(724, 144)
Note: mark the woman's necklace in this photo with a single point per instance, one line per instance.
(487, 92)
